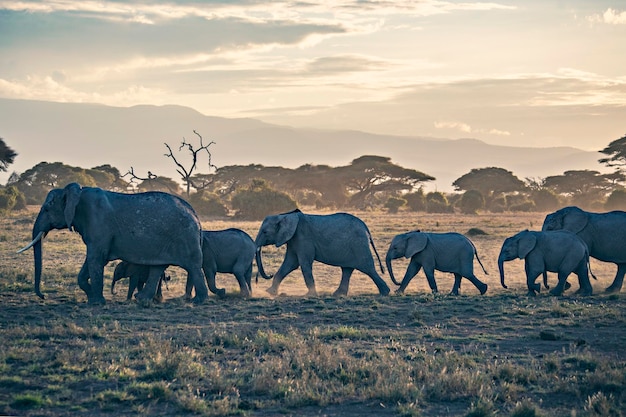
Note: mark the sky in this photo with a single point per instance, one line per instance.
(528, 72)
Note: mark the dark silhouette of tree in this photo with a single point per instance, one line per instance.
(471, 202)
(369, 175)
(259, 200)
(583, 187)
(187, 173)
(616, 152)
(7, 156)
(489, 181)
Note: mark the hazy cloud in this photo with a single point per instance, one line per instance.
(610, 16)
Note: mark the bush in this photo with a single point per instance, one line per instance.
(471, 202)
(436, 202)
(616, 200)
(393, 204)
(12, 199)
(545, 200)
(416, 201)
(259, 200)
(525, 206)
(207, 204)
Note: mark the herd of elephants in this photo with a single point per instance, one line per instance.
(150, 231)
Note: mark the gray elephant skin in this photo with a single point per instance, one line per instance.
(604, 234)
(338, 239)
(553, 251)
(229, 251)
(445, 252)
(153, 229)
(138, 277)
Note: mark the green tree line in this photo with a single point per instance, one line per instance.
(368, 182)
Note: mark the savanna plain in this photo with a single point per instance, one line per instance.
(417, 354)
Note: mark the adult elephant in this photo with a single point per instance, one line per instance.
(446, 252)
(604, 234)
(152, 229)
(339, 239)
(557, 251)
(138, 277)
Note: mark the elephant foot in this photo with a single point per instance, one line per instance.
(197, 300)
(532, 293)
(384, 291)
(556, 292)
(584, 292)
(483, 288)
(340, 293)
(312, 292)
(613, 288)
(400, 291)
(97, 301)
(145, 303)
(272, 291)
(453, 292)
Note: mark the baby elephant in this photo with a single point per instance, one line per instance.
(230, 251)
(552, 251)
(138, 275)
(445, 252)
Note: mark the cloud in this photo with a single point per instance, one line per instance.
(610, 16)
(466, 128)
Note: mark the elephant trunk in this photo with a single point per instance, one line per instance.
(259, 264)
(501, 269)
(388, 260)
(37, 250)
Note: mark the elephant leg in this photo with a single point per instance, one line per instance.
(382, 286)
(457, 284)
(248, 277)
(430, 276)
(560, 286)
(200, 285)
(616, 286)
(83, 279)
(412, 270)
(344, 285)
(158, 297)
(133, 283)
(242, 279)
(96, 274)
(584, 286)
(307, 273)
(148, 293)
(481, 286)
(210, 280)
(290, 263)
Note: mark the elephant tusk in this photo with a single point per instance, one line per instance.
(30, 245)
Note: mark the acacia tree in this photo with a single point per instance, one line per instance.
(7, 156)
(582, 186)
(368, 175)
(616, 152)
(489, 181)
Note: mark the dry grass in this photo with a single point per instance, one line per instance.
(413, 355)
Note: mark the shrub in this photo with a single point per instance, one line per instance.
(416, 201)
(525, 206)
(471, 202)
(436, 202)
(616, 200)
(545, 200)
(207, 204)
(12, 199)
(393, 204)
(260, 200)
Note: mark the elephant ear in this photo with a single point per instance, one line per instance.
(415, 244)
(72, 195)
(286, 228)
(526, 243)
(574, 219)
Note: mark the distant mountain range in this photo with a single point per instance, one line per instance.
(87, 135)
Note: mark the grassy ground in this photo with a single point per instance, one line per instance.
(363, 355)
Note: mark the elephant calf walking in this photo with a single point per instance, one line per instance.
(339, 239)
(138, 277)
(552, 251)
(445, 252)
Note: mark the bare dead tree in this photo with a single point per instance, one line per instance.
(151, 178)
(186, 174)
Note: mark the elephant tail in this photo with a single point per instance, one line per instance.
(590, 271)
(545, 280)
(382, 268)
(477, 258)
